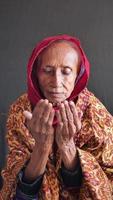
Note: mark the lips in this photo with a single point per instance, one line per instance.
(56, 94)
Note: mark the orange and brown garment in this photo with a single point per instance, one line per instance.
(95, 149)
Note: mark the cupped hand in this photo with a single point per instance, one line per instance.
(68, 126)
(40, 123)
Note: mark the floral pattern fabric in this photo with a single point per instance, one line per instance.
(95, 150)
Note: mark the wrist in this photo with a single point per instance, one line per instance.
(70, 164)
(36, 165)
(69, 158)
(40, 151)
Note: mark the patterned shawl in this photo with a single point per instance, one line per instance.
(95, 149)
(94, 141)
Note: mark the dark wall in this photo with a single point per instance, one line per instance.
(24, 22)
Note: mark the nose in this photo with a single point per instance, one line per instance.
(57, 79)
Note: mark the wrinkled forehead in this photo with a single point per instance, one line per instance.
(55, 44)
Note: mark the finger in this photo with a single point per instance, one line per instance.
(44, 124)
(36, 114)
(47, 133)
(63, 113)
(41, 111)
(58, 115)
(51, 117)
(69, 113)
(60, 123)
(58, 135)
(72, 128)
(47, 127)
(27, 114)
(62, 127)
(77, 121)
(38, 110)
(47, 111)
(65, 132)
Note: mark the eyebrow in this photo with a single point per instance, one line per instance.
(66, 66)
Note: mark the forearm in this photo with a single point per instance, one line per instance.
(36, 165)
(71, 171)
(69, 159)
(69, 156)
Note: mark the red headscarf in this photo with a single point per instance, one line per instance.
(33, 92)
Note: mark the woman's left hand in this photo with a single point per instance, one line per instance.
(67, 128)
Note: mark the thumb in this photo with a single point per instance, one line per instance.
(27, 114)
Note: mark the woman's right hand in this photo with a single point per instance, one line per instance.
(40, 126)
(40, 123)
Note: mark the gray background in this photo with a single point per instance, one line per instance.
(24, 22)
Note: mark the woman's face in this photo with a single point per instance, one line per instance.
(58, 71)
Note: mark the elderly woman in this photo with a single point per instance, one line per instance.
(60, 136)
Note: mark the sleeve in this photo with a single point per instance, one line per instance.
(22, 196)
(26, 187)
(20, 145)
(71, 178)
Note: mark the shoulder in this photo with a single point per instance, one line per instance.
(92, 99)
(20, 104)
(15, 114)
(16, 129)
(98, 112)
(95, 102)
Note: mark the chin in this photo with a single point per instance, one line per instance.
(56, 100)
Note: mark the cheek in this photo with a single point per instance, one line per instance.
(40, 77)
(43, 80)
(69, 82)
(40, 73)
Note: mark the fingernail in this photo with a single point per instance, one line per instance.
(66, 102)
(46, 100)
(50, 104)
(62, 105)
(71, 102)
(41, 100)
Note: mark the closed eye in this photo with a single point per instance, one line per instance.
(66, 70)
(48, 69)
